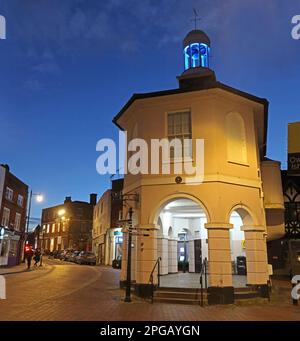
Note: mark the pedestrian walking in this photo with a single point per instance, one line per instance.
(37, 257)
(28, 256)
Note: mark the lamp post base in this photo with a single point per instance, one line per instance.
(127, 299)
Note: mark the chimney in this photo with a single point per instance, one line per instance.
(68, 199)
(5, 166)
(93, 199)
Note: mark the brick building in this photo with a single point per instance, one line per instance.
(69, 225)
(13, 208)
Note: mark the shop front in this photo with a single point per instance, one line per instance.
(114, 242)
(10, 248)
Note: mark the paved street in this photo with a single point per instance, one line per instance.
(64, 291)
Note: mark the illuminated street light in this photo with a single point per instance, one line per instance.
(39, 198)
(61, 212)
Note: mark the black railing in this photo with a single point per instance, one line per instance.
(151, 278)
(203, 273)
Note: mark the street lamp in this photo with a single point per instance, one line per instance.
(39, 199)
(61, 212)
(128, 277)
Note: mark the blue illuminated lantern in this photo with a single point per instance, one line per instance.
(196, 49)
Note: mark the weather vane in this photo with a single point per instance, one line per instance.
(196, 18)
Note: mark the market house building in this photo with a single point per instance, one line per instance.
(239, 204)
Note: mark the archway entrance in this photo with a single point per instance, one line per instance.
(238, 250)
(182, 238)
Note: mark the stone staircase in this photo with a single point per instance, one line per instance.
(192, 296)
(246, 293)
(179, 296)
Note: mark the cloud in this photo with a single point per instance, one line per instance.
(71, 28)
(33, 85)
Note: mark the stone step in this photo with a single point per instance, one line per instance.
(245, 289)
(245, 295)
(178, 289)
(179, 294)
(177, 300)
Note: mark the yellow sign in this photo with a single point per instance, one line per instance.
(243, 244)
(294, 137)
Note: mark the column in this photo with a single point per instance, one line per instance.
(146, 256)
(256, 255)
(172, 256)
(191, 248)
(219, 264)
(162, 251)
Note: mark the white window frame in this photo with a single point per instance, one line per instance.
(5, 217)
(9, 194)
(180, 135)
(53, 228)
(20, 200)
(18, 221)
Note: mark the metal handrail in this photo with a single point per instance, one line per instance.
(151, 278)
(203, 272)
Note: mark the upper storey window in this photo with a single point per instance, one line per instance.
(179, 127)
(236, 138)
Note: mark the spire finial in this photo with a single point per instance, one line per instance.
(196, 18)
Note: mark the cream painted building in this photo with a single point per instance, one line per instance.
(107, 235)
(239, 203)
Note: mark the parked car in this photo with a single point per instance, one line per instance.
(68, 255)
(88, 258)
(116, 263)
(65, 255)
(72, 257)
(56, 254)
(62, 255)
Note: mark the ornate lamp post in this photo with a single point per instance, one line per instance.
(39, 199)
(133, 197)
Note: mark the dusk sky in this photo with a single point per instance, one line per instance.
(68, 66)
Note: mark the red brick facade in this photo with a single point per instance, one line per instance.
(13, 211)
(68, 226)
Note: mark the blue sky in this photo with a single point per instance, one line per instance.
(67, 67)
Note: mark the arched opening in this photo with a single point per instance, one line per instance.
(236, 138)
(238, 218)
(182, 237)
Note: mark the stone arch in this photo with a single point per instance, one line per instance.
(170, 232)
(153, 219)
(245, 213)
(160, 231)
